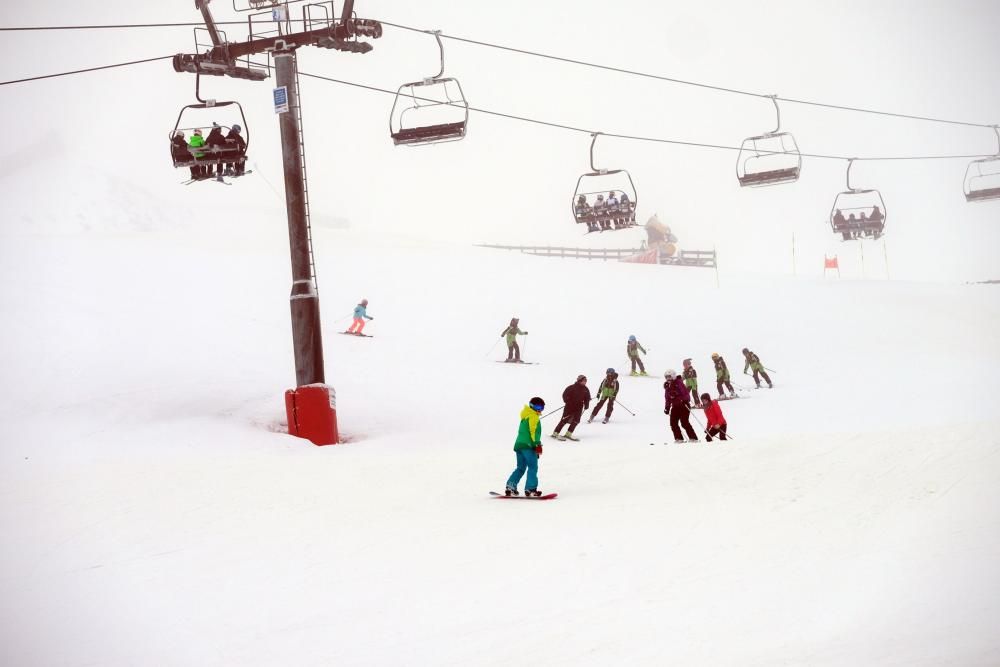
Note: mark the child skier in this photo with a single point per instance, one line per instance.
(691, 381)
(713, 416)
(576, 399)
(633, 349)
(511, 333)
(722, 376)
(607, 393)
(753, 363)
(360, 315)
(677, 401)
(527, 449)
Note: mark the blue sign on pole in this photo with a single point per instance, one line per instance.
(281, 99)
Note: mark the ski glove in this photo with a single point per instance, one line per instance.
(538, 449)
(666, 410)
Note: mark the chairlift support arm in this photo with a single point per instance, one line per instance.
(437, 36)
(593, 141)
(777, 110)
(850, 163)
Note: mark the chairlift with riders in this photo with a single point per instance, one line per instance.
(229, 153)
(769, 159)
(982, 178)
(858, 213)
(429, 111)
(589, 205)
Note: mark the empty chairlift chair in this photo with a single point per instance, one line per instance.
(769, 159)
(430, 111)
(605, 199)
(982, 178)
(857, 213)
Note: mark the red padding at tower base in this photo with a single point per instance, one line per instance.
(312, 413)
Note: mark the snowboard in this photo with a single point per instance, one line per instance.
(359, 335)
(517, 363)
(547, 496)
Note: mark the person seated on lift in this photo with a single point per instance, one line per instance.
(876, 215)
(839, 220)
(236, 143)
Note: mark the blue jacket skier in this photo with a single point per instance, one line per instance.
(360, 315)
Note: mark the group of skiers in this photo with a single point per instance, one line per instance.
(228, 151)
(679, 392)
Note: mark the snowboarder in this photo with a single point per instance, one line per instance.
(633, 349)
(677, 404)
(527, 449)
(607, 392)
(713, 416)
(691, 381)
(511, 333)
(753, 363)
(576, 399)
(722, 376)
(360, 315)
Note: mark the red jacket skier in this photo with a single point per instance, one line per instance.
(713, 416)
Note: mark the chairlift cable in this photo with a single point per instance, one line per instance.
(82, 71)
(629, 137)
(722, 89)
(538, 54)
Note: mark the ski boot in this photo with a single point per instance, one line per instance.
(643, 373)
(558, 436)
(770, 385)
(604, 421)
(678, 441)
(633, 374)
(511, 491)
(531, 492)
(590, 419)
(693, 440)
(570, 436)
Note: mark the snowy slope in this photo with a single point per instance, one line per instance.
(155, 513)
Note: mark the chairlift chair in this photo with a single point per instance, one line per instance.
(982, 178)
(430, 111)
(206, 155)
(769, 159)
(589, 206)
(858, 213)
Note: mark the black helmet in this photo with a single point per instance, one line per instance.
(536, 404)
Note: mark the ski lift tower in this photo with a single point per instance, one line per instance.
(321, 28)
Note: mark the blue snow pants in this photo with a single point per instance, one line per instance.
(527, 459)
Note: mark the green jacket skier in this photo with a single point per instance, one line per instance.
(632, 350)
(722, 376)
(511, 333)
(691, 381)
(754, 364)
(607, 392)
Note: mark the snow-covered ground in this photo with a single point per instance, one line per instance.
(154, 512)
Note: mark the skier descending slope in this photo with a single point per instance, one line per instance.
(754, 364)
(511, 333)
(360, 315)
(576, 399)
(677, 404)
(716, 421)
(607, 393)
(691, 380)
(722, 376)
(633, 349)
(527, 449)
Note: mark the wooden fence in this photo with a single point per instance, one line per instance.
(702, 258)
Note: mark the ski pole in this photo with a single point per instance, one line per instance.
(494, 346)
(770, 369)
(624, 408)
(553, 412)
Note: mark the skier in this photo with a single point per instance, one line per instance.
(216, 142)
(633, 349)
(527, 449)
(197, 141)
(180, 153)
(691, 381)
(677, 404)
(607, 392)
(360, 315)
(236, 142)
(753, 363)
(713, 415)
(722, 376)
(576, 399)
(511, 333)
